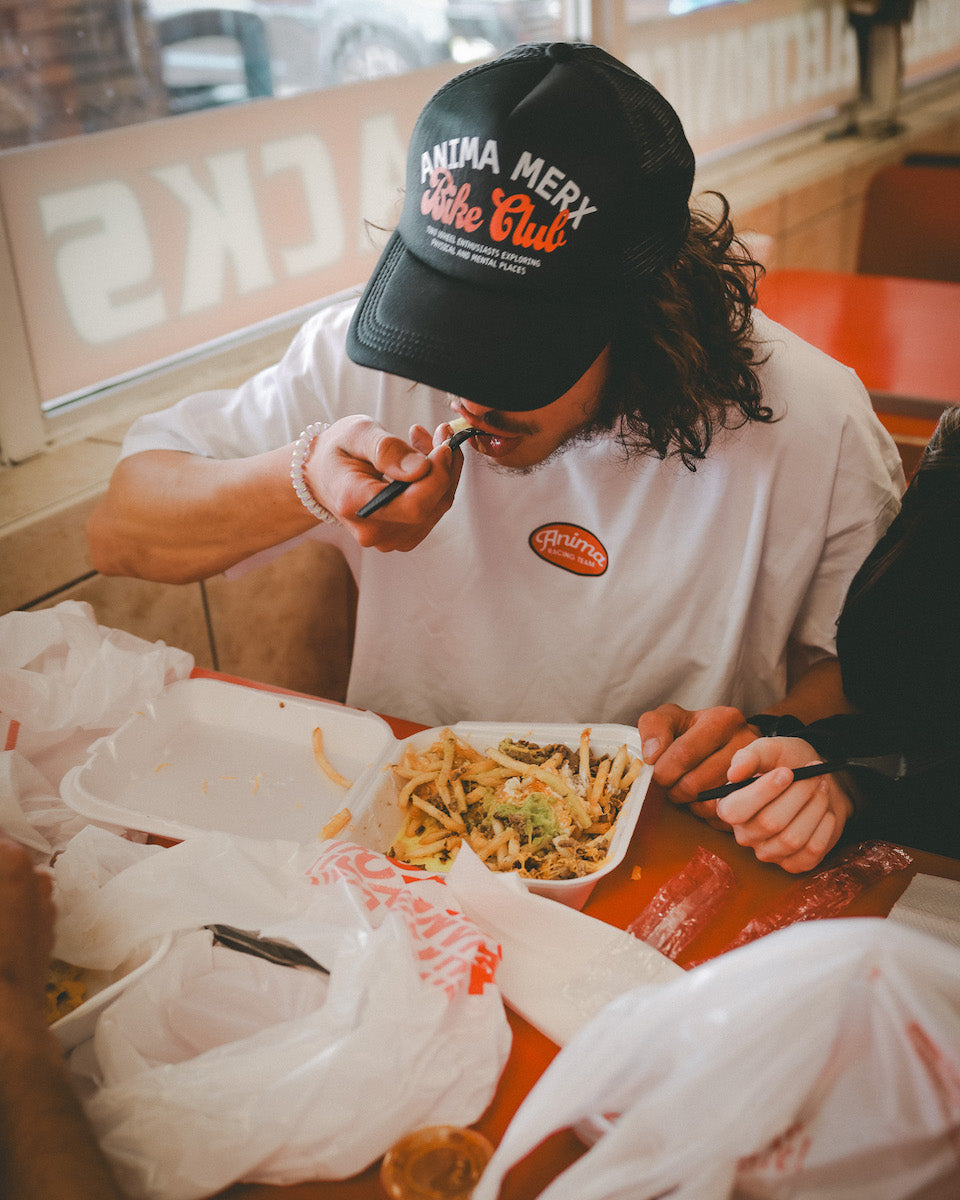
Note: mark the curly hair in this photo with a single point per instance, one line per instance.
(683, 362)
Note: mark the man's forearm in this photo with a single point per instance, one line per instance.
(818, 693)
(47, 1149)
(173, 517)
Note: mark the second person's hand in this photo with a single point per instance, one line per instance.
(790, 822)
(691, 751)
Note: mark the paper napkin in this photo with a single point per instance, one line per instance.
(931, 905)
(560, 966)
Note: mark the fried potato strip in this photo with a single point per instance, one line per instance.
(324, 763)
(335, 825)
(549, 818)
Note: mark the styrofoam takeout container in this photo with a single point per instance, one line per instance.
(103, 987)
(604, 739)
(212, 755)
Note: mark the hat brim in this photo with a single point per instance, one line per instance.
(508, 351)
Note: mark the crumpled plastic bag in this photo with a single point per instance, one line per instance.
(112, 895)
(821, 1061)
(214, 1067)
(60, 670)
(64, 682)
(30, 809)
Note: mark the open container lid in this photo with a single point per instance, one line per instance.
(103, 987)
(210, 755)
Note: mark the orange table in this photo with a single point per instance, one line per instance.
(899, 335)
(665, 839)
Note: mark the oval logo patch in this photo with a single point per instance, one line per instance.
(571, 547)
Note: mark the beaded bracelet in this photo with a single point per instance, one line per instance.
(301, 452)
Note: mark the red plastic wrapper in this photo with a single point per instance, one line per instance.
(829, 891)
(684, 905)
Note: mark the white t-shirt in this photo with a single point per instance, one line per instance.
(594, 588)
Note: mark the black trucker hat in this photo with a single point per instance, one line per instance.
(537, 184)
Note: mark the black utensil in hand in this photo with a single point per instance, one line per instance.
(396, 486)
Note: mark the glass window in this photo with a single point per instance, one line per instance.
(653, 10)
(153, 239)
(126, 249)
(97, 64)
(232, 49)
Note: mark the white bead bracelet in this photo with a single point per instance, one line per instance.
(301, 452)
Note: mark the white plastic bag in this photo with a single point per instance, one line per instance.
(215, 1067)
(64, 682)
(60, 670)
(822, 1061)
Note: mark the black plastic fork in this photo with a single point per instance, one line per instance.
(396, 486)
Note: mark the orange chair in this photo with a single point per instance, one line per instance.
(911, 223)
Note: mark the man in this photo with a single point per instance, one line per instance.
(47, 1150)
(668, 494)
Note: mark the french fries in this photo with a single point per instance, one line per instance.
(337, 823)
(546, 812)
(324, 763)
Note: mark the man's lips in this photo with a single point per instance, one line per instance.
(495, 443)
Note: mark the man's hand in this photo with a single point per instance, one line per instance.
(791, 823)
(26, 932)
(47, 1148)
(355, 458)
(691, 751)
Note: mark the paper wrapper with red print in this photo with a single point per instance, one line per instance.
(215, 1066)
